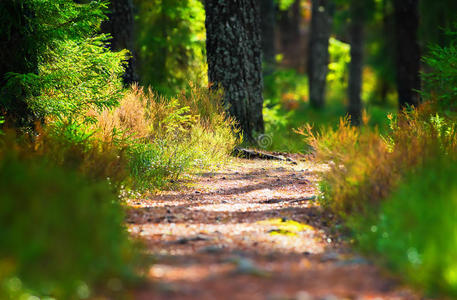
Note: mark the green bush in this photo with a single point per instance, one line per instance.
(62, 235)
(166, 137)
(55, 57)
(75, 77)
(440, 83)
(415, 229)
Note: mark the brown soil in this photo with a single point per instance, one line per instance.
(232, 235)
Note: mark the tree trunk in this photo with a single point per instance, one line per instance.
(408, 52)
(18, 54)
(268, 20)
(289, 34)
(233, 47)
(120, 26)
(356, 66)
(321, 22)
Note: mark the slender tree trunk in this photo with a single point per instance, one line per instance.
(289, 33)
(120, 26)
(268, 20)
(233, 47)
(356, 66)
(408, 52)
(321, 22)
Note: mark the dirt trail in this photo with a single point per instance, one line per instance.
(250, 231)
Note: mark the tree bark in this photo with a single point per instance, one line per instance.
(356, 65)
(321, 22)
(18, 54)
(120, 25)
(289, 35)
(408, 52)
(233, 47)
(268, 13)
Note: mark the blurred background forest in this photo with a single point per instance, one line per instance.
(170, 50)
(103, 101)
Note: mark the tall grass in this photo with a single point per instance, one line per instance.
(396, 192)
(166, 137)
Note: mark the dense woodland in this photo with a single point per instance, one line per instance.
(102, 102)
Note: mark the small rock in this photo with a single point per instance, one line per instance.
(247, 266)
(330, 256)
(213, 249)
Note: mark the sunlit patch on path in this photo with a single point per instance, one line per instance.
(250, 231)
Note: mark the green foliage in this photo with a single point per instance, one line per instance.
(64, 238)
(340, 58)
(154, 165)
(366, 166)
(435, 17)
(415, 229)
(41, 34)
(286, 97)
(171, 42)
(77, 76)
(284, 4)
(167, 137)
(440, 83)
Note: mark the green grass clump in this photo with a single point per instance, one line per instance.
(166, 137)
(415, 229)
(62, 235)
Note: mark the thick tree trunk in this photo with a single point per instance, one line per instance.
(268, 20)
(408, 52)
(233, 47)
(120, 26)
(18, 54)
(356, 67)
(321, 22)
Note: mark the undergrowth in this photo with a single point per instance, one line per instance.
(62, 234)
(396, 191)
(166, 137)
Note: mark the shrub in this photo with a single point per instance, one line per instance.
(415, 230)
(365, 166)
(440, 82)
(75, 77)
(396, 192)
(56, 58)
(62, 235)
(166, 137)
(154, 165)
(72, 146)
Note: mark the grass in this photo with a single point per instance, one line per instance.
(62, 234)
(396, 192)
(286, 109)
(166, 137)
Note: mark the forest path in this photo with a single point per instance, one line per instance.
(250, 231)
